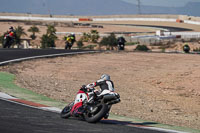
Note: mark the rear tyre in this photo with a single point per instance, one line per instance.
(97, 115)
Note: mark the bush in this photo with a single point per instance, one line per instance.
(142, 48)
(196, 50)
(131, 43)
(110, 41)
(48, 39)
(93, 36)
(33, 30)
(80, 44)
(90, 47)
(1, 39)
(85, 37)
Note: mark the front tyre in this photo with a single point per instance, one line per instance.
(5, 43)
(96, 116)
(65, 113)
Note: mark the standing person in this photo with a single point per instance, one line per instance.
(105, 83)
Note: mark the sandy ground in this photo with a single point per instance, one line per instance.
(154, 87)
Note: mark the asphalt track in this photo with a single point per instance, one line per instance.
(11, 54)
(16, 118)
(169, 28)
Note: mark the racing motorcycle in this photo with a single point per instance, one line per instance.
(91, 106)
(7, 42)
(120, 46)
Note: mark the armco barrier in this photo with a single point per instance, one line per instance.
(94, 19)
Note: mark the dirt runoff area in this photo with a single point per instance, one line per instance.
(153, 86)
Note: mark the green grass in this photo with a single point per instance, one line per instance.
(130, 43)
(8, 86)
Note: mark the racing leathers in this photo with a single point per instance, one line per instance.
(104, 85)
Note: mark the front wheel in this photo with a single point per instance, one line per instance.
(65, 113)
(5, 43)
(97, 115)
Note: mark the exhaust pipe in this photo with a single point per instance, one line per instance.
(109, 98)
(114, 101)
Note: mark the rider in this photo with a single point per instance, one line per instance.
(11, 32)
(73, 38)
(10, 35)
(70, 39)
(105, 83)
(121, 43)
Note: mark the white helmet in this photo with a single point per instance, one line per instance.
(105, 77)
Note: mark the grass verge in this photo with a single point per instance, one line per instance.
(8, 86)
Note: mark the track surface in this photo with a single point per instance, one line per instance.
(17, 118)
(10, 54)
(169, 28)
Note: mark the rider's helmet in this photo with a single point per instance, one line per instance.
(83, 88)
(11, 28)
(105, 77)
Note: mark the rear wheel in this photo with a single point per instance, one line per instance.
(96, 114)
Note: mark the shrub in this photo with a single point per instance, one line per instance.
(93, 36)
(48, 39)
(19, 32)
(90, 47)
(110, 41)
(142, 48)
(85, 37)
(80, 44)
(196, 50)
(33, 30)
(131, 43)
(1, 39)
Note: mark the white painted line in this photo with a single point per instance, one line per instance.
(162, 129)
(53, 109)
(6, 96)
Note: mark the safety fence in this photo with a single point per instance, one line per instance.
(93, 19)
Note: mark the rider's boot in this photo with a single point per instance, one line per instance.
(106, 116)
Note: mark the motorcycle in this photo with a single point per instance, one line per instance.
(91, 106)
(7, 42)
(68, 45)
(120, 46)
